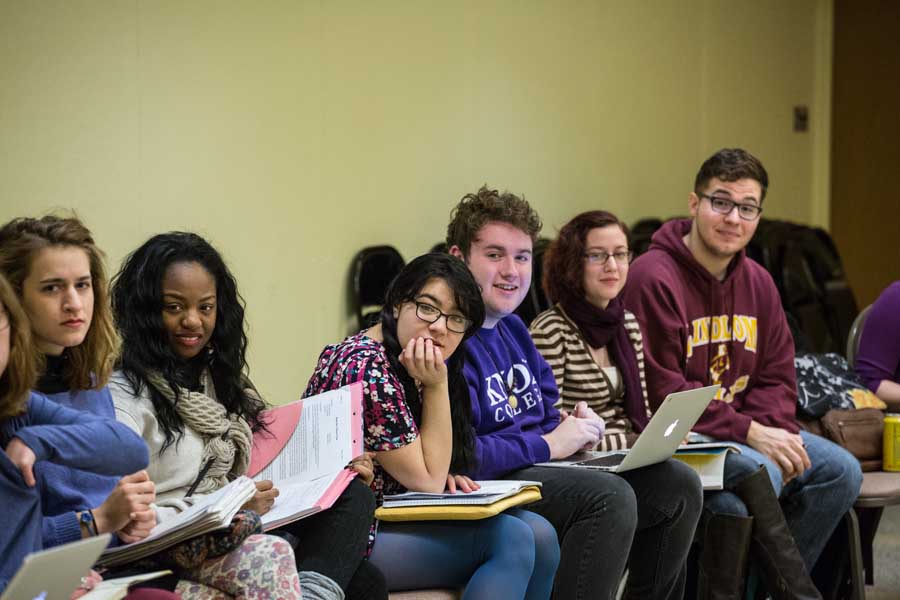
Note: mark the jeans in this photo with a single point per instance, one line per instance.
(644, 519)
(513, 555)
(813, 502)
(333, 542)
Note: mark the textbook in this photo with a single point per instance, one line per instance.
(708, 460)
(305, 452)
(493, 498)
(207, 513)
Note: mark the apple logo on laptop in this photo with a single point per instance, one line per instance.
(671, 428)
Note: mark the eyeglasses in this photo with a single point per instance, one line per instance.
(724, 206)
(623, 257)
(431, 314)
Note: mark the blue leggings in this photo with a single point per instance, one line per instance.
(512, 555)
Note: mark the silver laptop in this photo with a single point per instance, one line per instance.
(659, 440)
(55, 573)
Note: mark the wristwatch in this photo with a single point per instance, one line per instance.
(86, 518)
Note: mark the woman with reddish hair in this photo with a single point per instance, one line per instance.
(592, 343)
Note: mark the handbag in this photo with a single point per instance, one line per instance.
(825, 382)
(191, 553)
(860, 432)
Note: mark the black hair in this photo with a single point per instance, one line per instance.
(137, 306)
(405, 287)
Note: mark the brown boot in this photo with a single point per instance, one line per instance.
(723, 557)
(773, 546)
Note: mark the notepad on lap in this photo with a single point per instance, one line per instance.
(491, 499)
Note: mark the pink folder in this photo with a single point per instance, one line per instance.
(282, 421)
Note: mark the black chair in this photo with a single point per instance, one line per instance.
(535, 301)
(374, 268)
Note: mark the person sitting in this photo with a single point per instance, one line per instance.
(182, 385)
(57, 271)
(878, 358)
(417, 421)
(34, 429)
(711, 315)
(644, 518)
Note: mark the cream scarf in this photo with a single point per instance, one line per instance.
(227, 438)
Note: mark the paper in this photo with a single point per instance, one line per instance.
(115, 589)
(708, 460)
(490, 492)
(309, 466)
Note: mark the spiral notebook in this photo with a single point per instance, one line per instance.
(490, 492)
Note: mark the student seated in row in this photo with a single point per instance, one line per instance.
(33, 430)
(643, 519)
(417, 417)
(878, 359)
(182, 385)
(57, 271)
(711, 315)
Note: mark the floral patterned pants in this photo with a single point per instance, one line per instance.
(262, 567)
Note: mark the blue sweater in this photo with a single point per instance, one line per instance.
(64, 490)
(67, 438)
(508, 431)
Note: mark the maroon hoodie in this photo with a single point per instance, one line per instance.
(699, 331)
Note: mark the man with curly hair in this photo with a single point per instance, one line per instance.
(642, 519)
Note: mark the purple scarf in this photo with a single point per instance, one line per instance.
(606, 328)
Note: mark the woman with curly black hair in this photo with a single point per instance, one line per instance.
(182, 385)
(418, 421)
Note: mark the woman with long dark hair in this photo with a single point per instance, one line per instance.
(57, 272)
(183, 386)
(417, 414)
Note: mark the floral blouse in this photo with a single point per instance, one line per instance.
(388, 421)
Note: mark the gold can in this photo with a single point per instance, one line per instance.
(891, 442)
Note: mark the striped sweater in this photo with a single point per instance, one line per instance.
(579, 377)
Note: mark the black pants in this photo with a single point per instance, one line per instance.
(644, 519)
(334, 542)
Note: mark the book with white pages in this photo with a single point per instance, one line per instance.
(208, 513)
(491, 491)
(304, 451)
(708, 460)
(116, 589)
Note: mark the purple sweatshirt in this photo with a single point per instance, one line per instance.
(513, 392)
(879, 347)
(700, 331)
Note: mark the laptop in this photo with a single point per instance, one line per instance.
(659, 440)
(55, 573)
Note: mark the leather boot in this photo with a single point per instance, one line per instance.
(723, 557)
(773, 546)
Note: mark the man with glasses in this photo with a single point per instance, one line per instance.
(645, 518)
(711, 315)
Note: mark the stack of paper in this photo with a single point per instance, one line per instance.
(305, 451)
(708, 460)
(208, 513)
(490, 492)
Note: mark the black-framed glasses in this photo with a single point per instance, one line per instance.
(430, 314)
(724, 206)
(599, 257)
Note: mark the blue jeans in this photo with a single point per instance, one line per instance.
(512, 555)
(813, 502)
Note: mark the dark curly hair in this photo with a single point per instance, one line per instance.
(732, 164)
(138, 304)
(408, 283)
(475, 210)
(564, 259)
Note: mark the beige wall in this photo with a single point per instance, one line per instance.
(294, 133)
